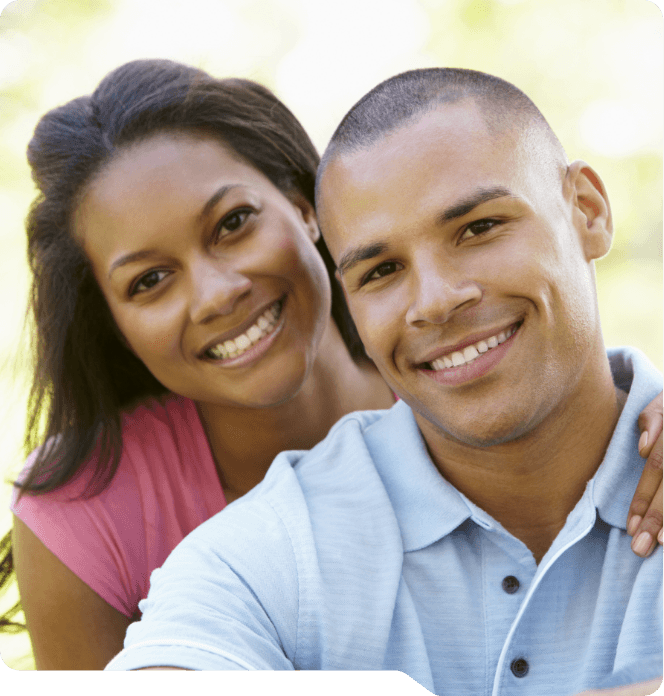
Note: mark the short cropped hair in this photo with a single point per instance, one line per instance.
(409, 95)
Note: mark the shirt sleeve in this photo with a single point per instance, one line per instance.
(100, 539)
(226, 599)
(644, 670)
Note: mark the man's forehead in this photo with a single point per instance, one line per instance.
(447, 153)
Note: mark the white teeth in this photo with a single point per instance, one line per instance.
(254, 333)
(238, 345)
(457, 359)
(242, 342)
(469, 353)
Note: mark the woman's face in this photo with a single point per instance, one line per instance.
(210, 272)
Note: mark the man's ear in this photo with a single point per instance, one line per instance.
(307, 213)
(591, 210)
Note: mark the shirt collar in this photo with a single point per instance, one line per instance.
(618, 475)
(428, 507)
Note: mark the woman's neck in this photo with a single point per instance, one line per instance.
(244, 441)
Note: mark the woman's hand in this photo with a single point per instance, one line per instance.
(644, 520)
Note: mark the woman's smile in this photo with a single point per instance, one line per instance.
(249, 345)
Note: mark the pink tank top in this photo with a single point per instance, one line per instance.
(165, 486)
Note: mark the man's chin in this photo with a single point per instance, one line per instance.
(478, 430)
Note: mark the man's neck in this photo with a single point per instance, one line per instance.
(531, 484)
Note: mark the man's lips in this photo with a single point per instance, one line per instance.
(474, 340)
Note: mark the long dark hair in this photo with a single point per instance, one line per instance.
(84, 375)
(7, 622)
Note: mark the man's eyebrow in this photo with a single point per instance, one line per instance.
(464, 206)
(360, 253)
(207, 209)
(363, 253)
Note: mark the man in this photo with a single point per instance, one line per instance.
(472, 536)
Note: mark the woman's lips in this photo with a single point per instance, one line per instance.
(256, 350)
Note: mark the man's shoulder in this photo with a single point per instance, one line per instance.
(288, 512)
(346, 447)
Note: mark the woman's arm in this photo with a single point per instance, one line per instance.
(644, 520)
(70, 625)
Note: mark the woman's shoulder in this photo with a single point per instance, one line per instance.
(165, 485)
(157, 434)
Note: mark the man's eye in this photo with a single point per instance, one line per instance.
(382, 270)
(148, 281)
(479, 227)
(231, 223)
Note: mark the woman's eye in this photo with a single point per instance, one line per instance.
(475, 229)
(382, 270)
(148, 281)
(231, 223)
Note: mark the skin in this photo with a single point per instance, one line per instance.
(150, 199)
(425, 275)
(433, 288)
(181, 268)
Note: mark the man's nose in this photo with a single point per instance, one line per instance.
(216, 290)
(439, 292)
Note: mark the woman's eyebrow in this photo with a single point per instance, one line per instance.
(215, 198)
(130, 258)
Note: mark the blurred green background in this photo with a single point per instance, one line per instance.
(594, 67)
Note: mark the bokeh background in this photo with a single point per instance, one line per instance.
(594, 67)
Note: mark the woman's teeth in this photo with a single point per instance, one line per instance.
(234, 347)
(469, 353)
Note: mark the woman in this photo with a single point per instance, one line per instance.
(189, 328)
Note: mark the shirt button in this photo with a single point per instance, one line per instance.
(510, 584)
(519, 667)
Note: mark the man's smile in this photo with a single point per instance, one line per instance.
(472, 361)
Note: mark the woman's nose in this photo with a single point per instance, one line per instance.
(216, 290)
(439, 293)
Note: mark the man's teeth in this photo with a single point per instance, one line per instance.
(469, 353)
(234, 347)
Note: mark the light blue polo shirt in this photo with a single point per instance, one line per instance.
(358, 555)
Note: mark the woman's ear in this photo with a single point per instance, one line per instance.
(307, 213)
(591, 210)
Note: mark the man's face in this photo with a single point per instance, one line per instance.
(466, 264)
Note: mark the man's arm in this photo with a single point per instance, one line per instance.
(225, 599)
(641, 689)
